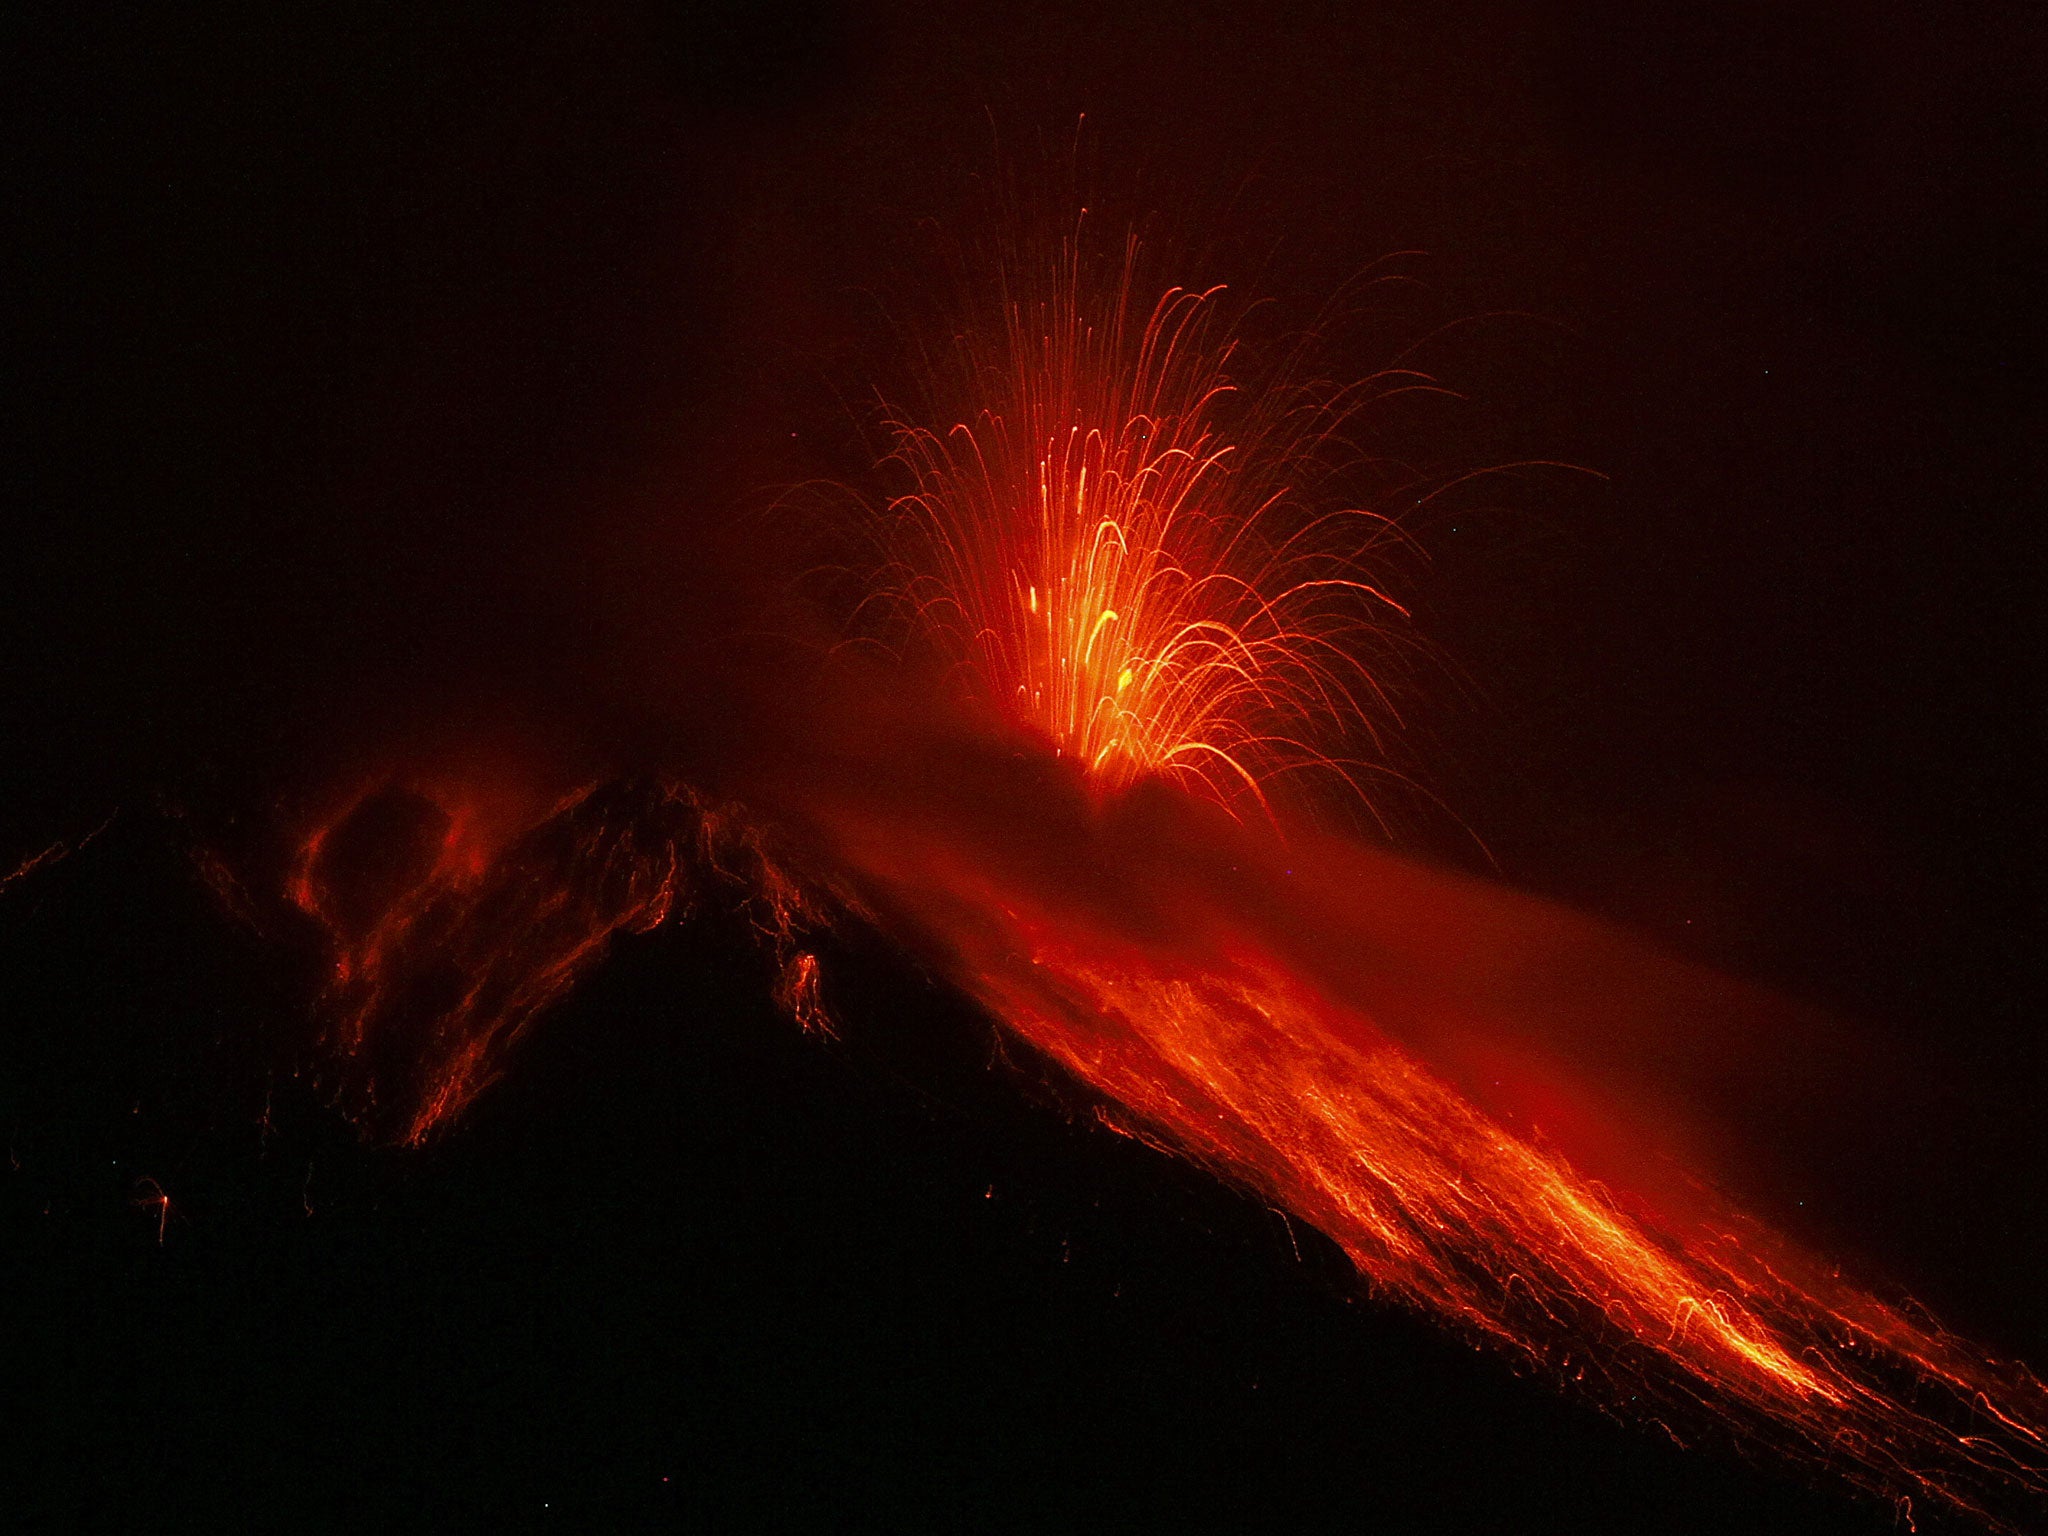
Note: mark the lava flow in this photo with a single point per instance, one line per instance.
(1303, 1020)
(455, 904)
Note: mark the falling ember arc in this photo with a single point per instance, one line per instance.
(1103, 567)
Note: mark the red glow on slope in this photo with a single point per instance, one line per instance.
(1117, 941)
(454, 913)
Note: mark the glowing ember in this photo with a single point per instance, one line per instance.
(157, 1204)
(54, 853)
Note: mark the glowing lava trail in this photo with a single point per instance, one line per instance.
(1244, 1008)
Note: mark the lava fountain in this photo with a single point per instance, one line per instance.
(1097, 563)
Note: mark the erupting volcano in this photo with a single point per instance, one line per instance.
(1104, 567)
(857, 765)
(1115, 630)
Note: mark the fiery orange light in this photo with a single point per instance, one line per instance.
(1108, 553)
(1105, 567)
(1108, 569)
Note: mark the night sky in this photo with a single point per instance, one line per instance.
(378, 370)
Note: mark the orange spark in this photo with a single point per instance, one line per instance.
(158, 1204)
